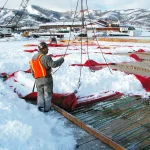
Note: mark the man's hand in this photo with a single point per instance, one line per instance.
(62, 58)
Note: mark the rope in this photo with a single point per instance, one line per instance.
(80, 73)
(18, 13)
(67, 43)
(69, 34)
(71, 27)
(4, 5)
(79, 81)
(13, 16)
(96, 39)
(88, 53)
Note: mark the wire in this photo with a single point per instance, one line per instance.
(71, 26)
(15, 16)
(4, 5)
(69, 33)
(88, 52)
(79, 81)
(24, 7)
(96, 39)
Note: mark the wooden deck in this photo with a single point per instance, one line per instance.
(122, 123)
(128, 39)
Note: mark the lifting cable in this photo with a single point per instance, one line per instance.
(79, 81)
(24, 5)
(96, 38)
(69, 33)
(13, 16)
(23, 10)
(87, 50)
(67, 44)
(71, 27)
(3, 5)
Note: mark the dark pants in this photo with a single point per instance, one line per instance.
(44, 96)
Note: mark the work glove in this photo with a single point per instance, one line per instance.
(62, 59)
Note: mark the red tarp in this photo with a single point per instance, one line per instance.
(3, 75)
(31, 51)
(56, 45)
(145, 81)
(141, 50)
(52, 55)
(93, 64)
(70, 101)
(50, 45)
(92, 99)
(135, 57)
(67, 101)
(107, 53)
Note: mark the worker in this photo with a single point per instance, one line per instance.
(41, 65)
(53, 40)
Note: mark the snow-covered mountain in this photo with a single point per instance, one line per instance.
(34, 15)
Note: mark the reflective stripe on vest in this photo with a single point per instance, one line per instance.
(38, 69)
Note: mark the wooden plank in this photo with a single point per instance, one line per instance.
(124, 40)
(89, 129)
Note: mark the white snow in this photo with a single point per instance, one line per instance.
(31, 10)
(22, 126)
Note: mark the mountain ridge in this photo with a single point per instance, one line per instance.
(35, 15)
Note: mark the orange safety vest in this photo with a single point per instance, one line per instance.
(38, 69)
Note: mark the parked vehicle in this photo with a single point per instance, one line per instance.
(5, 32)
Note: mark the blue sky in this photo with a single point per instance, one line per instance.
(67, 5)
